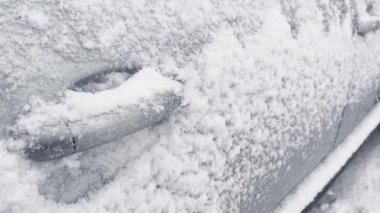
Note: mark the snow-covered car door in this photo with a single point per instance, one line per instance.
(265, 86)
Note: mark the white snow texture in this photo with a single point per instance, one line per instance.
(261, 80)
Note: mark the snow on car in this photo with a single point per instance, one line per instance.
(269, 89)
(83, 120)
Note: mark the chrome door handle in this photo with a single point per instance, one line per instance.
(85, 119)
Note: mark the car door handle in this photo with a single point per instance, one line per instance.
(89, 116)
(370, 25)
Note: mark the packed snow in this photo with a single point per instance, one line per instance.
(262, 81)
